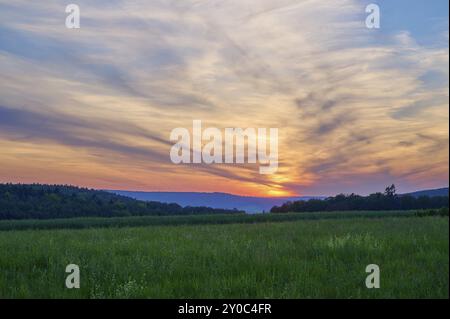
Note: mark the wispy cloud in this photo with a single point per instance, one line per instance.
(355, 107)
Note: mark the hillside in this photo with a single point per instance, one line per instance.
(229, 201)
(388, 200)
(37, 201)
(215, 200)
(430, 192)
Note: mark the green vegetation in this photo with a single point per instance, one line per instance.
(36, 201)
(388, 200)
(135, 221)
(309, 258)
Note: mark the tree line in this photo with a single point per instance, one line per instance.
(37, 201)
(388, 200)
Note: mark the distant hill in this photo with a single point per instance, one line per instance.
(214, 200)
(430, 192)
(376, 201)
(18, 201)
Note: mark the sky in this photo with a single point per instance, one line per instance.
(356, 108)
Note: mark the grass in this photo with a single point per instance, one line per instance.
(309, 258)
(135, 221)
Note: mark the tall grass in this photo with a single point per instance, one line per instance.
(296, 259)
(133, 221)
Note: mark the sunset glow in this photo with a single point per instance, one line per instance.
(356, 108)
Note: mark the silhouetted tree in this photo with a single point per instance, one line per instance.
(390, 190)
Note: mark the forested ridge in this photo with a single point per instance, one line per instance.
(388, 200)
(37, 201)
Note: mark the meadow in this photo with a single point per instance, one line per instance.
(134, 221)
(265, 256)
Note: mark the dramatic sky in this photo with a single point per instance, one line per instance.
(356, 108)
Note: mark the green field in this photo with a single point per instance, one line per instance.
(320, 255)
(175, 220)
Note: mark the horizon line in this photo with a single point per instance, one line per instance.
(201, 192)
